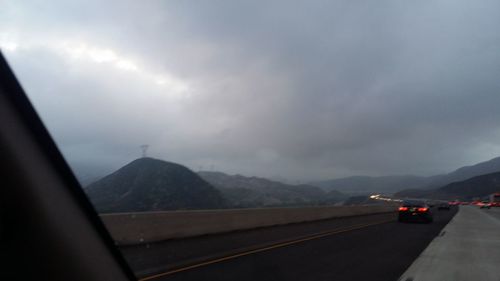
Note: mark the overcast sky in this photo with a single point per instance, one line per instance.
(300, 90)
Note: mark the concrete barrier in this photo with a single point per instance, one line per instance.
(146, 227)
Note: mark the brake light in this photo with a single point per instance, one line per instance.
(422, 209)
(403, 208)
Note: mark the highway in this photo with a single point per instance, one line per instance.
(371, 247)
(467, 249)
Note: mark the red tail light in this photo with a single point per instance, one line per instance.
(422, 209)
(403, 208)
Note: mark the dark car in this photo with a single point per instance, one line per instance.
(430, 203)
(415, 211)
(444, 206)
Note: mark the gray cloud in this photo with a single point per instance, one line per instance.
(308, 90)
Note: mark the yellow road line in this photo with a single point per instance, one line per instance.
(267, 248)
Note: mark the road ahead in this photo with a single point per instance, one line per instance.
(373, 247)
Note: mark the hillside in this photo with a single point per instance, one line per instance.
(475, 187)
(358, 185)
(148, 184)
(243, 191)
(467, 172)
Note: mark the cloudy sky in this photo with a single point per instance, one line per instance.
(300, 90)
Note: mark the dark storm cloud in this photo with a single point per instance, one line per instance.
(303, 90)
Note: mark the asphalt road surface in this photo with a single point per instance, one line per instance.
(493, 212)
(374, 247)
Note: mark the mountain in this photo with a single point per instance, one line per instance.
(460, 174)
(358, 185)
(243, 191)
(466, 172)
(475, 187)
(148, 184)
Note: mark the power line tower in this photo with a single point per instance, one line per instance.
(144, 149)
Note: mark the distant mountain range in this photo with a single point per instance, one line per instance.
(148, 184)
(246, 192)
(466, 172)
(475, 187)
(358, 185)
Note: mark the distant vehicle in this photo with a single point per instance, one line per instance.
(430, 203)
(454, 203)
(485, 205)
(495, 200)
(464, 203)
(414, 211)
(444, 206)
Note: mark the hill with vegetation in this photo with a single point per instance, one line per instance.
(148, 184)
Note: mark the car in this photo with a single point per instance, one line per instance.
(430, 203)
(444, 206)
(485, 205)
(413, 210)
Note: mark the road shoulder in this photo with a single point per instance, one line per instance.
(468, 248)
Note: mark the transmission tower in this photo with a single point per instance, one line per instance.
(144, 149)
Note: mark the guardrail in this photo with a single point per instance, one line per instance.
(146, 227)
